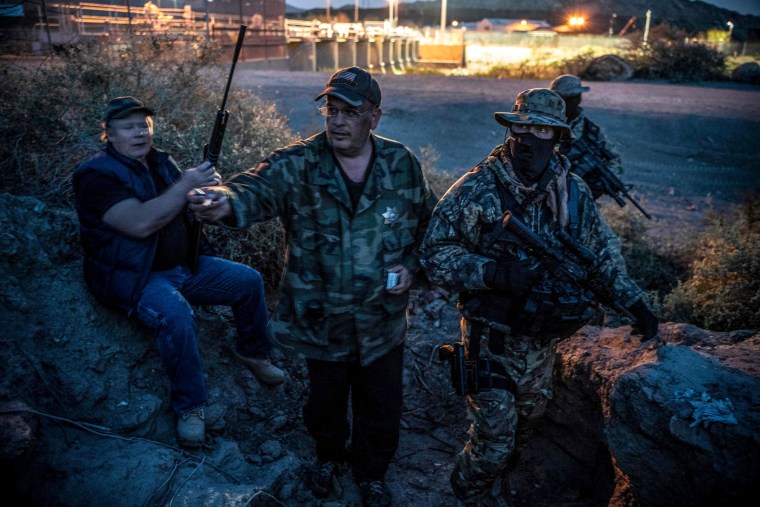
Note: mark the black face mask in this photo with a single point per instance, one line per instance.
(530, 155)
(572, 107)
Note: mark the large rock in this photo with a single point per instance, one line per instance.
(608, 68)
(674, 425)
(748, 72)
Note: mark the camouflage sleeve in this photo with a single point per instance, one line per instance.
(600, 239)
(448, 249)
(260, 193)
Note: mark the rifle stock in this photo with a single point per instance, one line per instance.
(616, 187)
(212, 150)
(594, 160)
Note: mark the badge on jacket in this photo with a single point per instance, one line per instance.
(390, 216)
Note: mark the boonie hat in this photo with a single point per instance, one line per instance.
(537, 106)
(353, 86)
(568, 85)
(121, 107)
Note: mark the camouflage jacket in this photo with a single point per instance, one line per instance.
(456, 246)
(333, 304)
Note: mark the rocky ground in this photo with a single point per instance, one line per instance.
(83, 414)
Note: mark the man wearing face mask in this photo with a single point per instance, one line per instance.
(514, 311)
(585, 133)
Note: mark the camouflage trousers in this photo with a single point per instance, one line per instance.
(501, 421)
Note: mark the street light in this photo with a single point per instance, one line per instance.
(612, 22)
(443, 16)
(730, 30)
(646, 28)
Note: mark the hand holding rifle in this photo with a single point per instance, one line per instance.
(201, 202)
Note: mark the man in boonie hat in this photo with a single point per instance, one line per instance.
(355, 207)
(515, 310)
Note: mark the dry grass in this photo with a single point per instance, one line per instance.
(722, 291)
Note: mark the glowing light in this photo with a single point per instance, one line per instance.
(524, 22)
(576, 21)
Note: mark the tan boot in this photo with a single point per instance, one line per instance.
(264, 370)
(191, 428)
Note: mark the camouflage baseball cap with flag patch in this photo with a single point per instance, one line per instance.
(537, 106)
(353, 86)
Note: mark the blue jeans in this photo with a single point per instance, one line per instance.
(164, 306)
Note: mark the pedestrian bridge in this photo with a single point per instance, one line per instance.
(315, 46)
(273, 42)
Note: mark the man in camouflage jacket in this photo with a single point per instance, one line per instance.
(355, 207)
(497, 281)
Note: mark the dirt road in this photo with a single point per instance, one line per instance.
(682, 145)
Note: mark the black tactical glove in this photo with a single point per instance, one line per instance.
(646, 322)
(509, 276)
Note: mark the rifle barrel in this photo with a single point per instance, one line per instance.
(238, 47)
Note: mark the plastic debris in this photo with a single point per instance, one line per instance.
(708, 410)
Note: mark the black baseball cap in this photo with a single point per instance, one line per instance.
(353, 86)
(121, 107)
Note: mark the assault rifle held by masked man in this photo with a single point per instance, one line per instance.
(589, 161)
(213, 149)
(579, 271)
(581, 268)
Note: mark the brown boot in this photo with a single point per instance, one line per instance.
(264, 370)
(191, 428)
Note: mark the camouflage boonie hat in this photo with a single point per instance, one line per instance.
(537, 106)
(568, 85)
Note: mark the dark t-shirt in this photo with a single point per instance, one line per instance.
(99, 192)
(355, 188)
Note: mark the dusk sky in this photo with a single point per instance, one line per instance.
(741, 6)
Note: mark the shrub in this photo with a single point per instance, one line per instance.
(50, 118)
(439, 181)
(671, 54)
(657, 268)
(722, 292)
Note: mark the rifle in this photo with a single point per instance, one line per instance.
(591, 159)
(211, 152)
(581, 268)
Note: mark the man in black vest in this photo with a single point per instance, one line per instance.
(134, 223)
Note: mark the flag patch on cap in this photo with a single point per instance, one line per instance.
(345, 78)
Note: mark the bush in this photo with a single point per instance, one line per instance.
(671, 54)
(50, 117)
(657, 269)
(722, 292)
(439, 181)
